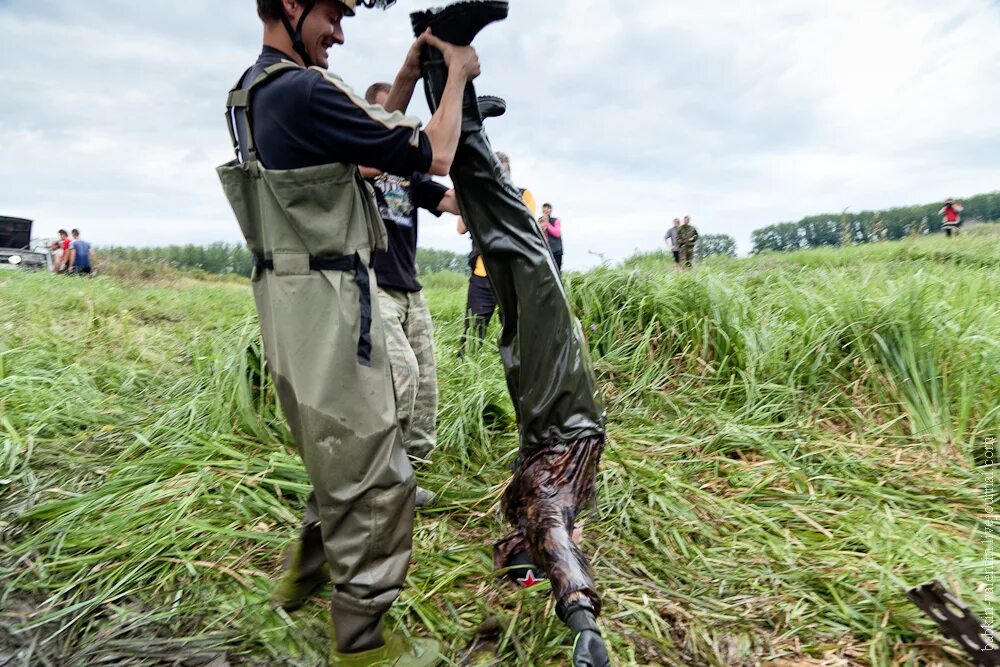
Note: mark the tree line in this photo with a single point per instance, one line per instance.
(847, 228)
(234, 258)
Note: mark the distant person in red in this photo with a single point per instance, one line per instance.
(952, 212)
(62, 263)
(552, 231)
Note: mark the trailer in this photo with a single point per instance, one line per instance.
(15, 245)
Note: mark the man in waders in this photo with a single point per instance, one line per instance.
(312, 223)
(559, 410)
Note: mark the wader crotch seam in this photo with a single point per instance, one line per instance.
(343, 263)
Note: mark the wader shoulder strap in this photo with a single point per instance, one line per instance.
(239, 98)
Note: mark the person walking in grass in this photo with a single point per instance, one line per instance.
(687, 237)
(300, 133)
(409, 333)
(951, 214)
(671, 240)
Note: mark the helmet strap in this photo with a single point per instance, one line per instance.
(296, 34)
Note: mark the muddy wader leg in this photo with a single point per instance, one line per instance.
(559, 412)
(343, 415)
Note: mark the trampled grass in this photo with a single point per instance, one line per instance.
(793, 441)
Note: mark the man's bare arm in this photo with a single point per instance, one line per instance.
(445, 127)
(449, 204)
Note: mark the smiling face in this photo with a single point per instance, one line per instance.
(321, 30)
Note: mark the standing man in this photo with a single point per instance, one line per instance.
(552, 229)
(560, 414)
(687, 237)
(671, 239)
(952, 212)
(409, 333)
(80, 256)
(312, 223)
(480, 302)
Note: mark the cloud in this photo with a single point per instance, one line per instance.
(623, 115)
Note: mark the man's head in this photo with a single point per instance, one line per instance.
(63, 234)
(687, 220)
(310, 28)
(504, 162)
(677, 222)
(546, 209)
(75, 233)
(378, 93)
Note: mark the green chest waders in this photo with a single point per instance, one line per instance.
(312, 232)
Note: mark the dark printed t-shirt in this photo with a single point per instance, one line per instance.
(398, 200)
(303, 118)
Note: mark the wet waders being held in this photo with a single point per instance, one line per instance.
(559, 411)
(312, 231)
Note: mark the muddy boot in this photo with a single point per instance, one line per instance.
(588, 645)
(397, 651)
(305, 570)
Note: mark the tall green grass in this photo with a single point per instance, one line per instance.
(793, 441)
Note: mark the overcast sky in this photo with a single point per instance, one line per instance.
(622, 114)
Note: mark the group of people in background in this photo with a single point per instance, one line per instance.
(682, 238)
(71, 254)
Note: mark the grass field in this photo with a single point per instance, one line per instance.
(793, 441)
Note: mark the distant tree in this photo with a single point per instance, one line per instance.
(430, 260)
(876, 228)
(219, 258)
(868, 226)
(846, 229)
(715, 244)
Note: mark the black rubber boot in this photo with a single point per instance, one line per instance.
(459, 23)
(456, 24)
(588, 645)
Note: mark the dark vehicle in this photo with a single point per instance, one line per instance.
(15, 245)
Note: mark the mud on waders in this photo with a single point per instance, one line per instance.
(312, 232)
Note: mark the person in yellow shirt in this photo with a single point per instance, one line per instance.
(481, 303)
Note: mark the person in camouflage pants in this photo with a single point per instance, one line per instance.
(409, 340)
(687, 237)
(409, 333)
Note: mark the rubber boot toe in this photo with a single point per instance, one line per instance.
(491, 106)
(397, 652)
